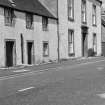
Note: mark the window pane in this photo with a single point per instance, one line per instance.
(29, 21)
(45, 49)
(70, 9)
(45, 23)
(94, 43)
(71, 41)
(83, 11)
(94, 15)
(9, 15)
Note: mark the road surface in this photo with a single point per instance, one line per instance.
(79, 84)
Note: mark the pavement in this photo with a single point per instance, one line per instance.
(21, 69)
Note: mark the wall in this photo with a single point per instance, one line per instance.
(37, 35)
(65, 24)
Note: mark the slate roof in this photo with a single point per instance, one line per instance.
(32, 6)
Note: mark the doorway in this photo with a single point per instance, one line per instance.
(30, 52)
(84, 45)
(10, 53)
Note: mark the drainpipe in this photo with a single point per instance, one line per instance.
(58, 49)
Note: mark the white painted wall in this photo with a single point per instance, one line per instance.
(65, 24)
(37, 35)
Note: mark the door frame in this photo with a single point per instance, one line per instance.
(14, 59)
(33, 52)
(83, 52)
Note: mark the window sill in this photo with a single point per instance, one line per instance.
(94, 25)
(71, 19)
(84, 23)
(45, 55)
(71, 54)
(30, 28)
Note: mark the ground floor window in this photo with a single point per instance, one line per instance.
(95, 43)
(45, 48)
(71, 42)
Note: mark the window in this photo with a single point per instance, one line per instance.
(71, 42)
(94, 43)
(45, 23)
(45, 49)
(71, 9)
(29, 21)
(9, 16)
(83, 11)
(94, 15)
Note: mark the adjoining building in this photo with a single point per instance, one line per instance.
(79, 28)
(28, 33)
(103, 31)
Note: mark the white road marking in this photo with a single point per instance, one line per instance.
(101, 95)
(41, 71)
(25, 89)
(100, 68)
(17, 71)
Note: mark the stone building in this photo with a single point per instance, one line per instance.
(103, 31)
(79, 28)
(36, 31)
(28, 33)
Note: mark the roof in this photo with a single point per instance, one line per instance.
(51, 5)
(32, 6)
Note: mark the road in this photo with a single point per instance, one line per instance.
(79, 84)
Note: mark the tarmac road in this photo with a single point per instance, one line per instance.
(78, 84)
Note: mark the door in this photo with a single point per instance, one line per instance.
(30, 52)
(10, 53)
(84, 45)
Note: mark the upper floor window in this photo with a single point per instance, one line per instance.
(45, 23)
(71, 9)
(71, 43)
(94, 14)
(84, 11)
(9, 16)
(29, 21)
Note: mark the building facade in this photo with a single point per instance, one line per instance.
(79, 28)
(47, 30)
(103, 31)
(28, 34)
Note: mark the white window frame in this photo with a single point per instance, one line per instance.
(29, 21)
(71, 51)
(94, 15)
(45, 23)
(83, 11)
(45, 49)
(9, 16)
(71, 9)
(95, 43)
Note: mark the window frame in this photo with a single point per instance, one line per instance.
(9, 16)
(95, 42)
(71, 10)
(45, 23)
(44, 54)
(29, 21)
(84, 11)
(70, 42)
(94, 15)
